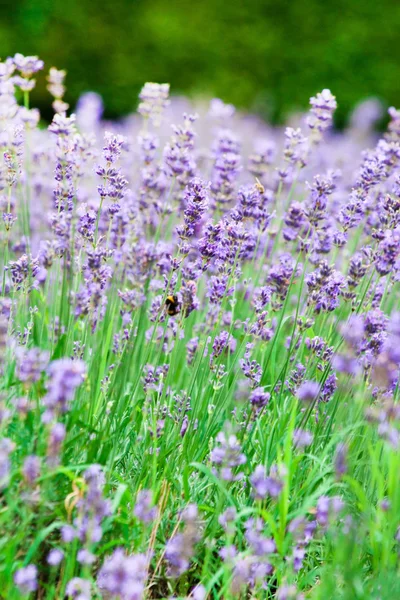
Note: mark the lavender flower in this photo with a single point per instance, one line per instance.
(227, 519)
(56, 437)
(323, 105)
(123, 576)
(320, 190)
(328, 388)
(227, 455)
(85, 557)
(153, 101)
(89, 110)
(30, 364)
(218, 289)
(296, 149)
(366, 114)
(68, 533)
(65, 375)
(195, 205)
(340, 461)
(6, 447)
(295, 221)
(325, 285)
(302, 438)
(199, 593)
(178, 154)
(23, 270)
(226, 168)
(191, 347)
(190, 301)
(264, 486)
(328, 508)
(260, 545)
(208, 245)
(303, 532)
(56, 88)
(180, 548)
(144, 510)
(219, 110)
(251, 368)
(28, 65)
(54, 557)
(79, 589)
(31, 469)
(221, 342)
(259, 398)
(26, 579)
(288, 592)
(280, 277)
(308, 391)
(92, 508)
(62, 125)
(262, 158)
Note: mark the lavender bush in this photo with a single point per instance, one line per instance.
(199, 351)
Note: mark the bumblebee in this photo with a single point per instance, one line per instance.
(259, 186)
(172, 305)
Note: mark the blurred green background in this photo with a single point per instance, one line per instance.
(269, 55)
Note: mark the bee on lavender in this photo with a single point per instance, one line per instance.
(172, 305)
(184, 302)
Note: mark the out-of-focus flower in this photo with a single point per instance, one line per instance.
(144, 509)
(323, 105)
(92, 509)
(31, 469)
(366, 114)
(302, 438)
(26, 579)
(328, 508)
(308, 391)
(56, 437)
(264, 485)
(288, 592)
(30, 363)
(27, 65)
(180, 548)
(153, 101)
(89, 110)
(79, 589)
(227, 519)
(340, 461)
(123, 576)
(259, 398)
(219, 110)
(195, 205)
(54, 557)
(227, 455)
(6, 447)
(65, 375)
(62, 125)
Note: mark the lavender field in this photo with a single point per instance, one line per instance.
(199, 350)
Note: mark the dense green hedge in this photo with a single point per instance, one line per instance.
(264, 54)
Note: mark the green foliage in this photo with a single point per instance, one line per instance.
(268, 56)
